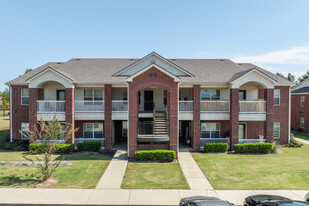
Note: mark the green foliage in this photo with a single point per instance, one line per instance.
(5, 95)
(303, 77)
(28, 70)
(216, 147)
(15, 145)
(89, 146)
(290, 77)
(155, 155)
(253, 148)
(39, 148)
(294, 144)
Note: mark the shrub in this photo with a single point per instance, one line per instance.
(89, 146)
(38, 148)
(254, 148)
(294, 144)
(216, 147)
(15, 145)
(155, 155)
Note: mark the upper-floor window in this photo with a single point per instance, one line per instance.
(24, 130)
(277, 97)
(210, 130)
(276, 130)
(302, 101)
(242, 95)
(207, 94)
(93, 94)
(302, 122)
(24, 96)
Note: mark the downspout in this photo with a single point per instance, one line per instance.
(128, 128)
(11, 125)
(289, 127)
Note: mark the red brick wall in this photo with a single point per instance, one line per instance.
(234, 115)
(254, 129)
(281, 114)
(108, 116)
(143, 81)
(69, 110)
(20, 113)
(297, 111)
(80, 124)
(269, 123)
(196, 117)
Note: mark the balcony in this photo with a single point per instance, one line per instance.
(215, 106)
(119, 105)
(50, 106)
(186, 106)
(252, 107)
(84, 106)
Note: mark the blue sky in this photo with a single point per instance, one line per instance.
(272, 34)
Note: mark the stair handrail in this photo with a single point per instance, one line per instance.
(154, 117)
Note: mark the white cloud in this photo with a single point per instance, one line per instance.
(294, 55)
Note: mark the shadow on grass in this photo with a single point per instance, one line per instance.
(14, 180)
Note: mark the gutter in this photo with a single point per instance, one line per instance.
(289, 127)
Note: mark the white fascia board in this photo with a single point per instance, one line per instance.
(255, 70)
(52, 70)
(130, 79)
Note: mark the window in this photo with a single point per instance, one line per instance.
(24, 130)
(165, 98)
(277, 97)
(276, 130)
(124, 128)
(242, 95)
(91, 95)
(210, 94)
(24, 96)
(125, 95)
(210, 130)
(302, 101)
(302, 122)
(93, 130)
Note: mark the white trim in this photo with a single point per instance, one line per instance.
(299, 93)
(157, 55)
(130, 79)
(259, 72)
(279, 129)
(11, 120)
(289, 121)
(128, 136)
(52, 70)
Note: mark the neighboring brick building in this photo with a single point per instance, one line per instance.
(300, 107)
(155, 103)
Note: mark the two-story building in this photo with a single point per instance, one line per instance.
(154, 102)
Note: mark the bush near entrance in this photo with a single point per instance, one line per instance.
(61, 148)
(254, 148)
(89, 146)
(156, 155)
(216, 147)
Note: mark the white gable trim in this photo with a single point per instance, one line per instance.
(130, 79)
(52, 70)
(255, 70)
(158, 56)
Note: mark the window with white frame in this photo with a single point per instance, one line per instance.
(277, 97)
(24, 96)
(302, 101)
(208, 94)
(93, 130)
(24, 130)
(302, 122)
(276, 130)
(124, 128)
(210, 130)
(93, 94)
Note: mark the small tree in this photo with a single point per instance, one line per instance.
(49, 135)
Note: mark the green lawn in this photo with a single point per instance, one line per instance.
(304, 136)
(154, 176)
(288, 170)
(84, 173)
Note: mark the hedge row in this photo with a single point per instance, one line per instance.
(216, 147)
(156, 155)
(254, 148)
(39, 147)
(89, 146)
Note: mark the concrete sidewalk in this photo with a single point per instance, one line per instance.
(195, 177)
(301, 140)
(126, 197)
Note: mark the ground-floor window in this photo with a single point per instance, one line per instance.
(93, 130)
(302, 122)
(124, 128)
(242, 131)
(24, 130)
(276, 130)
(210, 130)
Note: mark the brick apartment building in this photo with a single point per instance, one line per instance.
(154, 103)
(300, 107)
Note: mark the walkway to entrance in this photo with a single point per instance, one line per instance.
(112, 177)
(195, 177)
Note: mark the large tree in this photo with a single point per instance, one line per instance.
(289, 77)
(5, 95)
(303, 77)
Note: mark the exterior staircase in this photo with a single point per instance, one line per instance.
(160, 124)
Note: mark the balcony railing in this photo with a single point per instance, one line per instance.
(252, 107)
(50, 106)
(213, 140)
(243, 141)
(119, 105)
(213, 106)
(186, 106)
(89, 106)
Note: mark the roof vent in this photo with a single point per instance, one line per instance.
(222, 59)
(77, 59)
(240, 64)
(59, 62)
